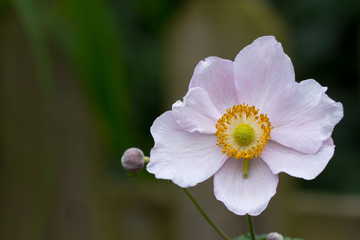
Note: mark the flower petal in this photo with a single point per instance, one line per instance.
(297, 164)
(242, 195)
(183, 157)
(303, 116)
(216, 77)
(261, 70)
(196, 112)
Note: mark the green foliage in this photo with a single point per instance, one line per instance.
(113, 51)
(92, 39)
(95, 43)
(2, 5)
(260, 237)
(30, 15)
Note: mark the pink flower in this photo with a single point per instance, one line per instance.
(244, 122)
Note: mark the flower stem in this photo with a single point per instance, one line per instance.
(146, 159)
(251, 227)
(205, 216)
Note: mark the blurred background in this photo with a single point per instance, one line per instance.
(81, 81)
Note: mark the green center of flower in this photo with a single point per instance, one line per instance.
(244, 134)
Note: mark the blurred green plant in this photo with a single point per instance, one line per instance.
(114, 50)
(89, 34)
(115, 45)
(30, 16)
(90, 37)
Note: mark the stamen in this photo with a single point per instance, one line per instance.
(242, 132)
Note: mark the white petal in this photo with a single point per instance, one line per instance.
(183, 157)
(261, 70)
(241, 195)
(196, 112)
(297, 164)
(303, 116)
(216, 77)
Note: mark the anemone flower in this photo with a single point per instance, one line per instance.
(243, 122)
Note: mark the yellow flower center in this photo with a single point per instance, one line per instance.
(243, 133)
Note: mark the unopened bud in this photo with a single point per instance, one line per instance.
(133, 160)
(274, 236)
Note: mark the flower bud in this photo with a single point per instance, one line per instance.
(274, 236)
(133, 160)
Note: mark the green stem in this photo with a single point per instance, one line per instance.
(206, 216)
(146, 159)
(251, 227)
